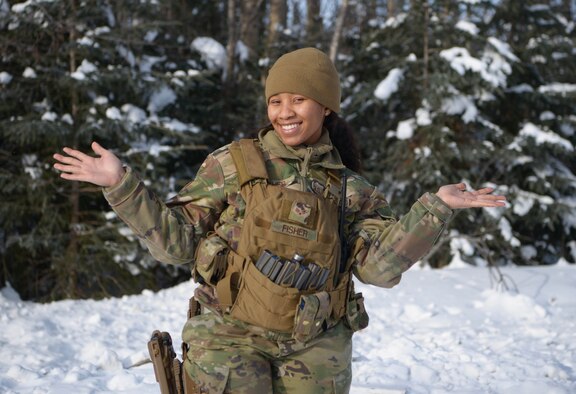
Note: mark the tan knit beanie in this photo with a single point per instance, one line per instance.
(308, 72)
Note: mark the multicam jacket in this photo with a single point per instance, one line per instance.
(382, 247)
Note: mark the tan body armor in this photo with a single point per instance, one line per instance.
(285, 222)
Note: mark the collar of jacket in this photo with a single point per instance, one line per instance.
(321, 154)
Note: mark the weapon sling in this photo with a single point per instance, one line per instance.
(341, 223)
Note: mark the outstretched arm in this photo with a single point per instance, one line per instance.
(456, 196)
(105, 170)
(384, 248)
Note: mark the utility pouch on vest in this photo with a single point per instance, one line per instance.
(264, 303)
(211, 259)
(311, 315)
(227, 288)
(356, 315)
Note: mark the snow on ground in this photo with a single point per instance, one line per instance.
(438, 331)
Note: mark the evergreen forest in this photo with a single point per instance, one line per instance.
(437, 91)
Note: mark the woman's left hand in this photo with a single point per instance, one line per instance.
(456, 196)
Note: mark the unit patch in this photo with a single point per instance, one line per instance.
(300, 213)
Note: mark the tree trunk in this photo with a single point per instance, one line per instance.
(277, 22)
(370, 13)
(425, 46)
(229, 85)
(338, 30)
(449, 10)
(313, 22)
(231, 45)
(391, 8)
(567, 9)
(251, 25)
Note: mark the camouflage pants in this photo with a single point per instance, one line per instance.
(227, 356)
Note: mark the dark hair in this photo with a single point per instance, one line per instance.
(344, 140)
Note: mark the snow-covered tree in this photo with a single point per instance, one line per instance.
(123, 74)
(431, 92)
(438, 92)
(537, 110)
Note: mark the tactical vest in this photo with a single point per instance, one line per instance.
(283, 222)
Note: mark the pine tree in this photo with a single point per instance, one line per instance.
(425, 90)
(440, 92)
(537, 110)
(123, 74)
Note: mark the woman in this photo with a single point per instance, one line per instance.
(261, 223)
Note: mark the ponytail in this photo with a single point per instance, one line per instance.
(344, 140)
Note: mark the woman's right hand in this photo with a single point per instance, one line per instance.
(105, 170)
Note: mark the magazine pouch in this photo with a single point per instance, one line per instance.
(356, 315)
(311, 315)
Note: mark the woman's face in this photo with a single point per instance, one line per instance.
(297, 119)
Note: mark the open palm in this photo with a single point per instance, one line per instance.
(456, 196)
(105, 170)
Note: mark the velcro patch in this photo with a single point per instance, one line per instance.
(293, 230)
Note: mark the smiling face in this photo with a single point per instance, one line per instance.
(297, 119)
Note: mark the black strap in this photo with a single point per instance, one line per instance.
(343, 241)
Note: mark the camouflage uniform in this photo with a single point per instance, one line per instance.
(227, 354)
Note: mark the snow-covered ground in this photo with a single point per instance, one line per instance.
(438, 331)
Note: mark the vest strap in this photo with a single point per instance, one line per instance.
(339, 296)
(248, 160)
